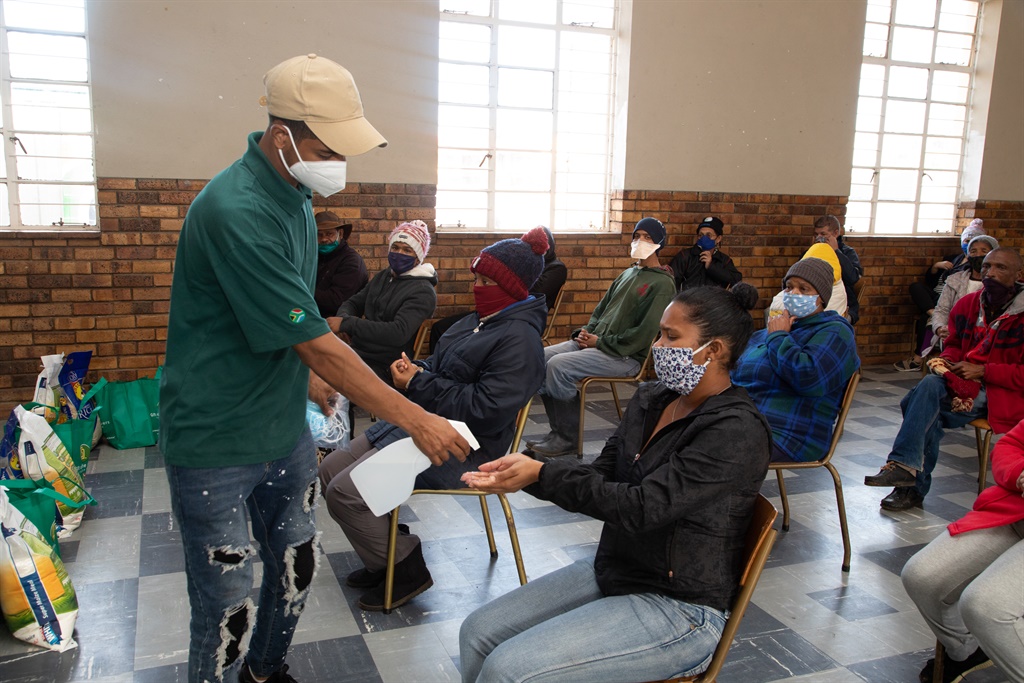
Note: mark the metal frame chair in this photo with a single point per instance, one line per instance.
(983, 435)
(640, 376)
(552, 317)
(389, 576)
(837, 433)
(760, 539)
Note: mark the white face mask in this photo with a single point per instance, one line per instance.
(323, 177)
(641, 249)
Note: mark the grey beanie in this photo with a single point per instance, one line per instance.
(987, 239)
(819, 273)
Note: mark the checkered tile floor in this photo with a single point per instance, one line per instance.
(808, 620)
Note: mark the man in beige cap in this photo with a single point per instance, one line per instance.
(243, 331)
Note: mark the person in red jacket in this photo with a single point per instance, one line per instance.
(984, 350)
(967, 583)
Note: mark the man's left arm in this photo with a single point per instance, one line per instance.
(723, 271)
(849, 264)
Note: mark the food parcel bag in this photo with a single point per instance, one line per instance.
(131, 412)
(37, 501)
(41, 455)
(36, 595)
(78, 434)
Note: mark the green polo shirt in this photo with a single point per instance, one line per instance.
(233, 392)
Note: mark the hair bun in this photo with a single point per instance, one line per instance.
(746, 295)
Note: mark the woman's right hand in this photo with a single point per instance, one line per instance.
(942, 332)
(504, 475)
(941, 265)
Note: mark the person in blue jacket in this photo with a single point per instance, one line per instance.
(485, 368)
(796, 370)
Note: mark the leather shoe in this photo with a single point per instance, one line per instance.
(891, 474)
(903, 498)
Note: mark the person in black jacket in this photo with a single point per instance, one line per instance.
(828, 230)
(340, 271)
(675, 487)
(381, 321)
(704, 263)
(484, 370)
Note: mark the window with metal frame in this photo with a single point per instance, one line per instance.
(912, 113)
(48, 177)
(526, 91)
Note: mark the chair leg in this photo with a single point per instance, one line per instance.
(389, 574)
(785, 501)
(615, 395)
(583, 412)
(513, 537)
(841, 504)
(487, 527)
(984, 450)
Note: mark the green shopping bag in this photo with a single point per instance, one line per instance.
(77, 435)
(130, 414)
(37, 501)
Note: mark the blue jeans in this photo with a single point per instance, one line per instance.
(211, 504)
(926, 411)
(566, 364)
(561, 628)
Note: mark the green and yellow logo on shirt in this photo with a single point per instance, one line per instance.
(297, 315)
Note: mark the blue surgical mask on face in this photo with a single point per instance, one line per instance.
(674, 367)
(328, 248)
(400, 262)
(706, 243)
(799, 305)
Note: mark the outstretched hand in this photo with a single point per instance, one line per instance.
(504, 475)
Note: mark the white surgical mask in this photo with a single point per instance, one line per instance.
(641, 249)
(674, 367)
(323, 177)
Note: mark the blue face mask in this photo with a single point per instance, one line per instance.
(328, 248)
(964, 246)
(400, 262)
(799, 305)
(706, 243)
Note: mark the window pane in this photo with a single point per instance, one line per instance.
(465, 200)
(950, 86)
(67, 16)
(530, 11)
(531, 47)
(477, 8)
(580, 220)
(585, 53)
(463, 127)
(901, 151)
(580, 143)
(894, 219)
(37, 168)
(49, 204)
(587, 124)
(858, 217)
(523, 171)
(879, 11)
(869, 114)
(897, 185)
(958, 15)
(468, 179)
(872, 79)
(519, 211)
(465, 219)
(596, 13)
(915, 12)
(904, 117)
(463, 84)
(939, 186)
(938, 160)
(461, 158)
(581, 182)
(524, 88)
(580, 162)
(465, 42)
(596, 103)
(946, 119)
(912, 45)
(876, 40)
(5, 204)
(937, 211)
(908, 82)
(52, 58)
(953, 48)
(523, 130)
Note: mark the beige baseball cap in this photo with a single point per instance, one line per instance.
(322, 94)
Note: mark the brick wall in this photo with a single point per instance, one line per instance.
(108, 292)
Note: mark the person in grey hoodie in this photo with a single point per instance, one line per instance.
(381, 320)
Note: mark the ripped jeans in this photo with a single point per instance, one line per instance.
(210, 505)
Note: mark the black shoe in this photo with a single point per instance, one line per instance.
(281, 676)
(953, 671)
(530, 443)
(557, 445)
(368, 578)
(902, 498)
(891, 474)
(411, 578)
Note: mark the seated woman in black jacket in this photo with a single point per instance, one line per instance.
(483, 371)
(675, 486)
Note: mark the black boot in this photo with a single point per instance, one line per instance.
(565, 420)
(549, 410)
(368, 578)
(411, 578)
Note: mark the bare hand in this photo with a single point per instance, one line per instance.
(334, 323)
(783, 322)
(402, 371)
(437, 439)
(941, 265)
(942, 332)
(321, 393)
(504, 475)
(586, 340)
(832, 241)
(968, 370)
(705, 258)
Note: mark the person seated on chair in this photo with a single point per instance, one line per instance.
(675, 487)
(614, 343)
(550, 283)
(485, 369)
(340, 270)
(985, 346)
(704, 263)
(796, 370)
(381, 321)
(828, 230)
(837, 301)
(961, 283)
(967, 582)
(926, 294)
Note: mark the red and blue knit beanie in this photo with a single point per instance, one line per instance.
(514, 264)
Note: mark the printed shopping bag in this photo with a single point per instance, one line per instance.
(131, 412)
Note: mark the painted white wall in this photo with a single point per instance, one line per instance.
(1002, 168)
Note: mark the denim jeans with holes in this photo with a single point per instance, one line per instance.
(211, 505)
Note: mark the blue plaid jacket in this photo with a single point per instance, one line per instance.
(797, 379)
